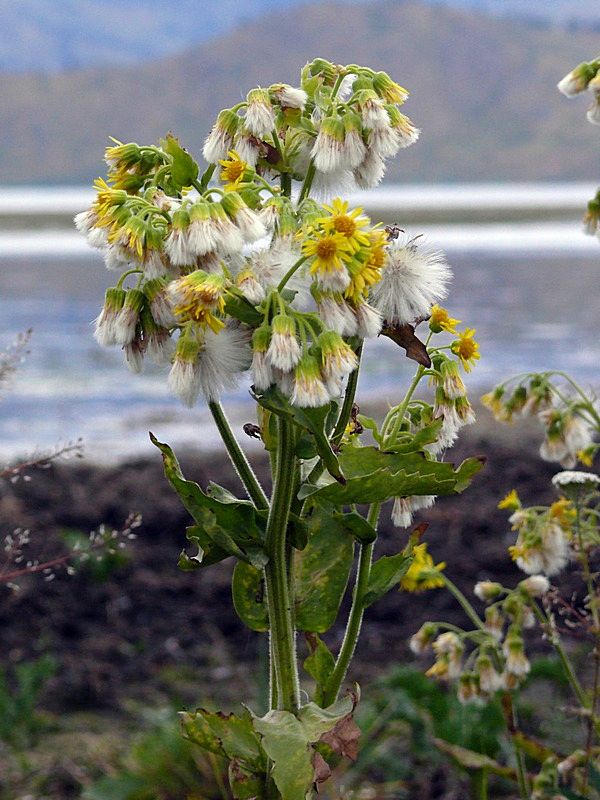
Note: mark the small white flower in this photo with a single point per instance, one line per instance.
(328, 150)
(385, 142)
(576, 81)
(402, 512)
(369, 173)
(327, 185)
(337, 315)
(153, 265)
(260, 117)
(289, 96)
(284, 349)
(247, 147)
(224, 355)
(487, 590)
(535, 585)
(184, 376)
(368, 321)
(128, 317)
(177, 247)
(593, 112)
(573, 477)
(413, 279)
(134, 355)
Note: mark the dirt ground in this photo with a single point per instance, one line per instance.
(114, 638)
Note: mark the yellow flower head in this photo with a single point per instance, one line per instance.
(440, 320)
(586, 456)
(198, 297)
(466, 348)
(511, 502)
(494, 401)
(563, 512)
(328, 253)
(349, 224)
(422, 573)
(235, 170)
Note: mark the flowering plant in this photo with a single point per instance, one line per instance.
(250, 276)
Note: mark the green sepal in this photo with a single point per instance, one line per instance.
(313, 420)
(222, 529)
(319, 664)
(184, 170)
(321, 572)
(373, 476)
(247, 589)
(386, 573)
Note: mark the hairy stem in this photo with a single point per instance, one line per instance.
(355, 618)
(238, 458)
(349, 396)
(283, 648)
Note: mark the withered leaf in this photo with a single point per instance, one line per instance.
(404, 335)
(343, 738)
(321, 767)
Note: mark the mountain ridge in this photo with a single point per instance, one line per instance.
(483, 91)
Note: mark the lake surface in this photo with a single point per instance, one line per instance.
(530, 288)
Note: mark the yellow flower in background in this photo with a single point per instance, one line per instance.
(440, 320)
(198, 297)
(511, 502)
(349, 224)
(422, 573)
(466, 348)
(586, 456)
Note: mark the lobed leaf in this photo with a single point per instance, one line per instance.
(386, 573)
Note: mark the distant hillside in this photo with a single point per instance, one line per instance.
(483, 92)
(50, 36)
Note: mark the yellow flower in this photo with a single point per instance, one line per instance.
(586, 456)
(563, 512)
(198, 297)
(511, 502)
(422, 573)
(329, 253)
(440, 320)
(348, 223)
(235, 170)
(466, 348)
(365, 268)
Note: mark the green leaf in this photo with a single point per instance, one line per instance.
(373, 476)
(224, 734)
(319, 664)
(369, 424)
(286, 743)
(184, 169)
(321, 574)
(314, 420)
(386, 573)
(245, 784)
(414, 442)
(317, 721)
(122, 787)
(238, 307)
(247, 589)
(356, 526)
(224, 527)
(471, 760)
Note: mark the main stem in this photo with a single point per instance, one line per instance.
(238, 458)
(283, 650)
(356, 614)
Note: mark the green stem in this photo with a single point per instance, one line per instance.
(238, 458)
(552, 635)
(126, 274)
(306, 186)
(349, 396)
(512, 724)
(397, 414)
(276, 573)
(290, 272)
(356, 614)
(467, 607)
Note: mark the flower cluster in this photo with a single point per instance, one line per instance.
(492, 657)
(585, 77)
(569, 421)
(222, 279)
(336, 130)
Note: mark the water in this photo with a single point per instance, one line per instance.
(530, 289)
